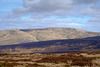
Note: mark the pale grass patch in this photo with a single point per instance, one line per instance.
(53, 64)
(20, 66)
(90, 55)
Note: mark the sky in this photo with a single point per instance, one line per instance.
(25, 14)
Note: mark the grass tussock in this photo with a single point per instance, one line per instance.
(13, 60)
(35, 65)
(6, 64)
(69, 59)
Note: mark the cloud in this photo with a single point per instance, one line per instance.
(42, 11)
(32, 23)
(87, 1)
(56, 7)
(46, 7)
(91, 10)
(94, 12)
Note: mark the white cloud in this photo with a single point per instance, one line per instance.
(43, 9)
(46, 7)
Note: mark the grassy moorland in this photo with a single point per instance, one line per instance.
(71, 59)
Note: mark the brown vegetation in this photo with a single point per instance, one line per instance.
(45, 60)
(76, 60)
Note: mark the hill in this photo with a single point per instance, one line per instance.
(17, 36)
(53, 46)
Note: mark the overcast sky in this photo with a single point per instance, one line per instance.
(23, 14)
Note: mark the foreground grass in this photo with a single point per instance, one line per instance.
(74, 59)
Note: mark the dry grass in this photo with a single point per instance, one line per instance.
(51, 60)
(69, 59)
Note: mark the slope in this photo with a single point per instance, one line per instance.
(53, 46)
(16, 36)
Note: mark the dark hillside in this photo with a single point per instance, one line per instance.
(55, 45)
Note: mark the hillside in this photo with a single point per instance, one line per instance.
(53, 46)
(17, 36)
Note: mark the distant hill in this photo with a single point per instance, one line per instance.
(17, 36)
(65, 45)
